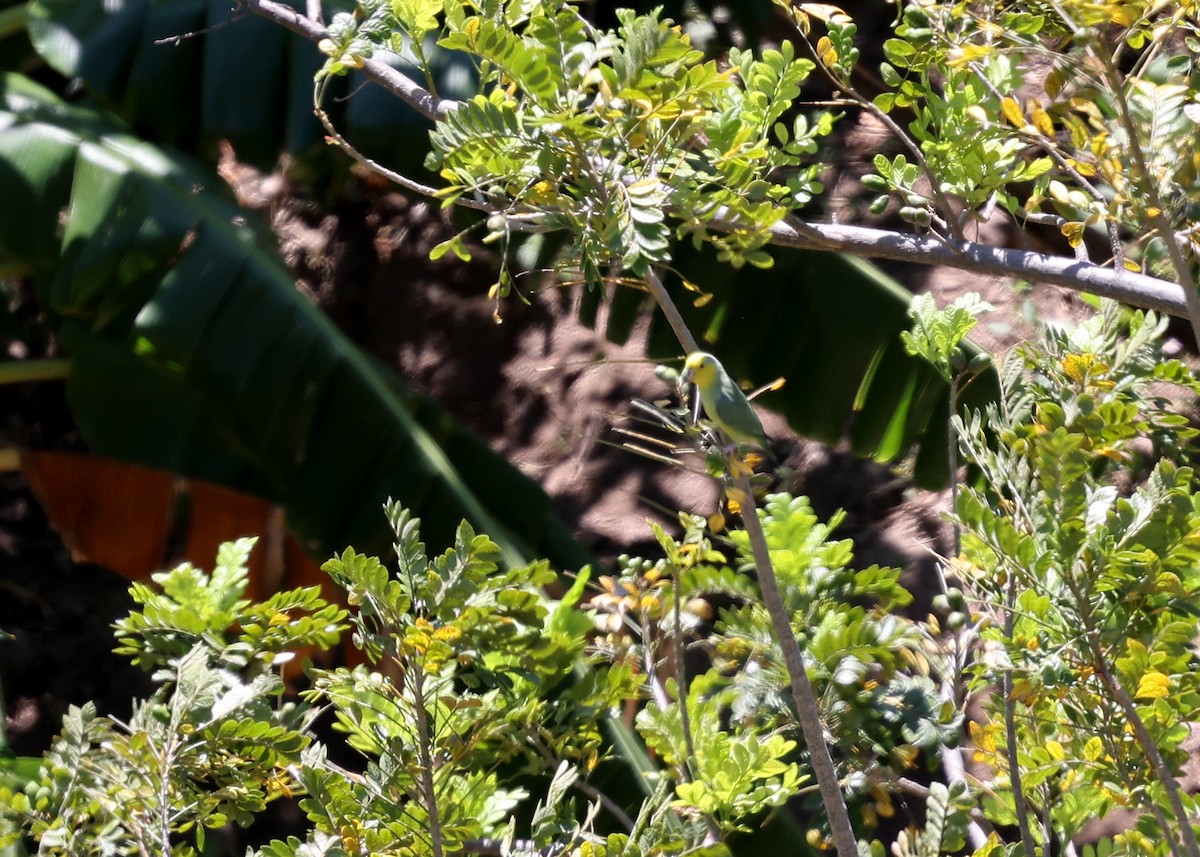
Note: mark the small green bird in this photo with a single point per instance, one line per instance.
(724, 402)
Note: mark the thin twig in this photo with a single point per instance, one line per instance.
(1138, 792)
(604, 800)
(681, 699)
(906, 140)
(1157, 763)
(1045, 144)
(681, 687)
(1156, 209)
(175, 41)
(952, 463)
(912, 787)
(658, 692)
(678, 325)
(1125, 286)
(588, 789)
(1010, 728)
(412, 93)
(379, 169)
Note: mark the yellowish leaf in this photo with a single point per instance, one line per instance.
(826, 52)
(1153, 685)
(1012, 112)
(1042, 121)
(1120, 14)
(1082, 167)
(1054, 83)
(1024, 692)
(907, 754)
(1073, 231)
(983, 737)
(823, 11)
(1093, 750)
(1168, 582)
(963, 55)
(739, 467)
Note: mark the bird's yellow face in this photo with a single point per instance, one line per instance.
(699, 368)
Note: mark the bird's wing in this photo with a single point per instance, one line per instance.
(736, 410)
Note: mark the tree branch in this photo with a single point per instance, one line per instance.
(678, 325)
(807, 710)
(1125, 286)
(395, 82)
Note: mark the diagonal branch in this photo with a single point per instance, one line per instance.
(808, 712)
(395, 82)
(1125, 286)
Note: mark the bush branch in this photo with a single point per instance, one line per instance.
(416, 677)
(808, 713)
(1020, 806)
(1157, 764)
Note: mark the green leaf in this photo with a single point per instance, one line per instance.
(417, 16)
(16, 771)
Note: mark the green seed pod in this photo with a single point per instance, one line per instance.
(909, 213)
(979, 363)
(874, 182)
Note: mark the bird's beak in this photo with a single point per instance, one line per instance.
(687, 375)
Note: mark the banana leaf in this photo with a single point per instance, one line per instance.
(192, 351)
(231, 76)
